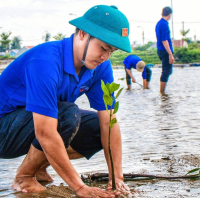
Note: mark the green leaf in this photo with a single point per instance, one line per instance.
(103, 87)
(107, 100)
(114, 87)
(119, 92)
(193, 170)
(112, 122)
(116, 107)
(106, 107)
(108, 87)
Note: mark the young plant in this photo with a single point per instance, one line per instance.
(108, 99)
(194, 170)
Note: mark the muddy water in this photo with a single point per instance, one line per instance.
(160, 136)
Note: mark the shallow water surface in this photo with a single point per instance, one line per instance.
(153, 127)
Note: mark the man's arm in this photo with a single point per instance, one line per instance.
(55, 151)
(130, 74)
(171, 57)
(116, 147)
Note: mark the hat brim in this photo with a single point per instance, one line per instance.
(140, 66)
(102, 34)
(140, 70)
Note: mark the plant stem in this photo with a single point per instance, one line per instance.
(110, 153)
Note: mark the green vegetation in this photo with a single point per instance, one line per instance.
(7, 44)
(108, 99)
(188, 55)
(7, 56)
(147, 56)
(194, 170)
(182, 55)
(5, 41)
(184, 33)
(59, 36)
(16, 42)
(144, 47)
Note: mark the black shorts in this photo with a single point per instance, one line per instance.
(166, 66)
(17, 131)
(148, 73)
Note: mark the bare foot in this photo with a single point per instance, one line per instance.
(42, 175)
(27, 184)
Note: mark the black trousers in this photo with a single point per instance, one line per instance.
(78, 128)
(166, 66)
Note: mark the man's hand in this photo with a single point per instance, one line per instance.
(133, 80)
(130, 74)
(121, 187)
(93, 192)
(171, 59)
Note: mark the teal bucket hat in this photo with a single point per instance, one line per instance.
(107, 24)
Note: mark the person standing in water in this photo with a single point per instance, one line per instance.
(164, 47)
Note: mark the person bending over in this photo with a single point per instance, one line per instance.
(135, 62)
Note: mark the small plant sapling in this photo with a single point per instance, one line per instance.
(109, 99)
(194, 170)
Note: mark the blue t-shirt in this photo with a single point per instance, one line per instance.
(163, 34)
(45, 75)
(131, 62)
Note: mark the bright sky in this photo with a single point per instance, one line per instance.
(30, 19)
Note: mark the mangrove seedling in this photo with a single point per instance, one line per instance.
(109, 99)
(194, 170)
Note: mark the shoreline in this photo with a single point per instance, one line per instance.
(5, 62)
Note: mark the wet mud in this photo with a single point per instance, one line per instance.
(160, 136)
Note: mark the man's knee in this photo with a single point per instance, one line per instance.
(165, 76)
(16, 133)
(88, 139)
(69, 118)
(69, 114)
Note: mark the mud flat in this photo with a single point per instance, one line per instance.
(160, 136)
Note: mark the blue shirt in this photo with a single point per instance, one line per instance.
(163, 34)
(45, 75)
(131, 62)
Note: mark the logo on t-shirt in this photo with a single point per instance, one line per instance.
(83, 88)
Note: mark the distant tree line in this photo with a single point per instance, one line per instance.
(148, 55)
(6, 43)
(15, 43)
(181, 54)
(144, 47)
